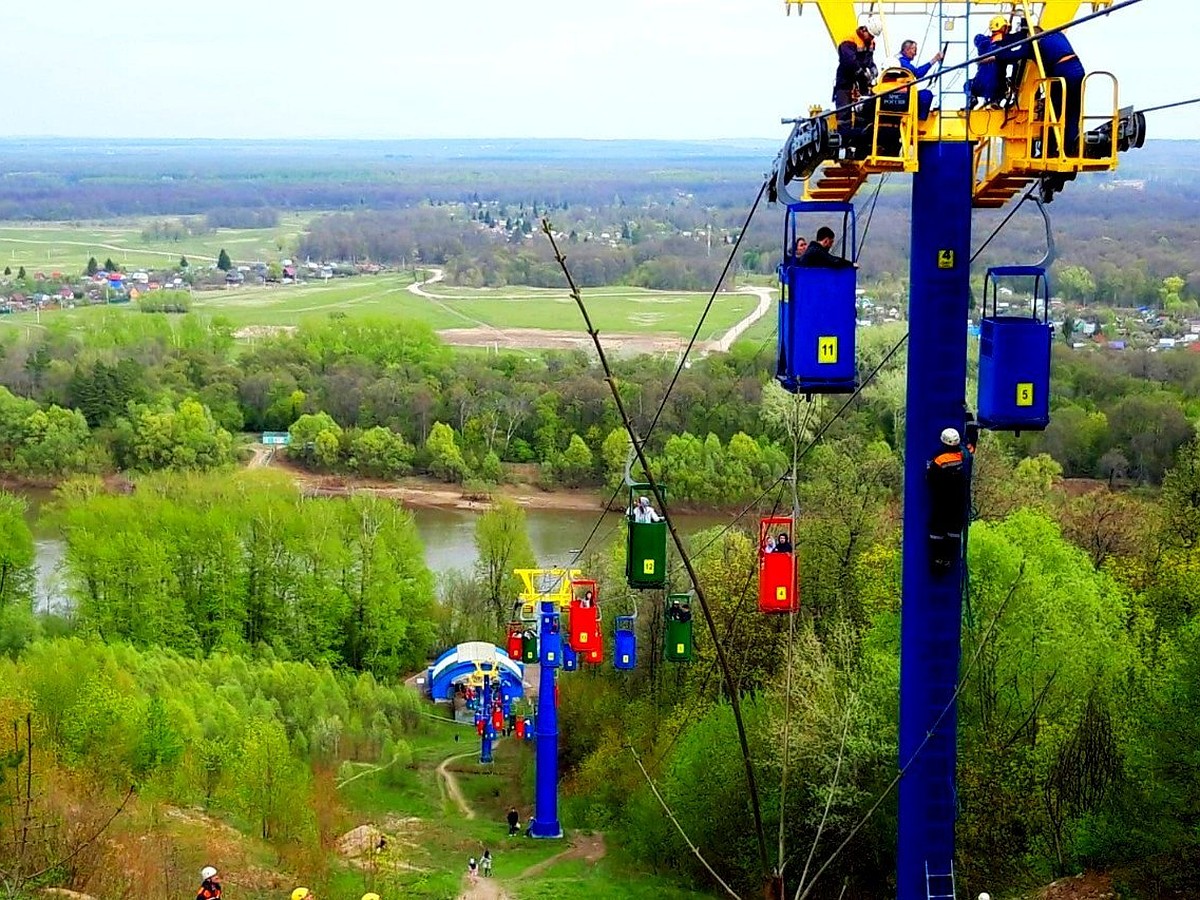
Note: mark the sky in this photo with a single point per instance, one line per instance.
(612, 69)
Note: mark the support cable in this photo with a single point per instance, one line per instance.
(870, 215)
(639, 449)
(802, 891)
(1170, 105)
(691, 343)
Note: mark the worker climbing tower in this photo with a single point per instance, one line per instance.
(959, 158)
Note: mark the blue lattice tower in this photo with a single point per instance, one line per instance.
(489, 732)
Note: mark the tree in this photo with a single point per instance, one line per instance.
(183, 262)
(7, 270)
(316, 438)
(1180, 496)
(445, 458)
(21, 274)
(110, 266)
(224, 263)
(503, 545)
(575, 464)
(92, 266)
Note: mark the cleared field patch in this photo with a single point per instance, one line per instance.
(65, 247)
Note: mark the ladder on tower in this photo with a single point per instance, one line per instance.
(936, 885)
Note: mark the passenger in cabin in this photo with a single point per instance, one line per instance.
(679, 611)
(818, 255)
(946, 476)
(801, 246)
(586, 602)
(782, 543)
(643, 513)
(770, 545)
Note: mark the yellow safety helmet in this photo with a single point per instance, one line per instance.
(300, 893)
(370, 897)
(997, 23)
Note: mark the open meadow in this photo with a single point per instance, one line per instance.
(65, 246)
(471, 317)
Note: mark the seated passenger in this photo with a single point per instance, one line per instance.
(643, 513)
(679, 612)
(801, 246)
(817, 256)
(769, 547)
(782, 543)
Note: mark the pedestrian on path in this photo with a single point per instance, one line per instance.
(485, 864)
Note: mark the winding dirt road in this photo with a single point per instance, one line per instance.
(451, 783)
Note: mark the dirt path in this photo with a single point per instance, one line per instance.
(764, 305)
(482, 889)
(451, 783)
(588, 847)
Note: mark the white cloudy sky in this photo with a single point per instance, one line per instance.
(478, 68)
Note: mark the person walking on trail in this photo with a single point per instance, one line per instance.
(472, 870)
(485, 864)
(514, 821)
(210, 884)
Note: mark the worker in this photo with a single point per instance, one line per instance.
(908, 62)
(946, 475)
(1060, 62)
(818, 255)
(210, 884)
(908, 55)
(990, 84)
(856, 73)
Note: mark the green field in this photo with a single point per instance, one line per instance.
(65, 247)
(613, 309)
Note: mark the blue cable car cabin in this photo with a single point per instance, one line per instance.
(1014, 355)
(624, 643)
(570, 659)
(817, 305)
(646, 540)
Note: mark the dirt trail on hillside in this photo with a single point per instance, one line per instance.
(588, 847)
(482, 889)
(451, 783)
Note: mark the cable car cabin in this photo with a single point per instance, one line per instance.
(529, 732)
(498, 720)
(529, 646)
(817, 311)
(646, 541)
(551, 649)
(776, 567)
(677, 644)
(570, 659)
(624, 643)
(1014, 355)
(595, 653)
(520, 728)
(584, 622)
(513, 643)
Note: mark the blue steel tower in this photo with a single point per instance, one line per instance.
(960, 159)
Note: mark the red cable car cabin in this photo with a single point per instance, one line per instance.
(776, 568)
(584, 622)
(514, 644)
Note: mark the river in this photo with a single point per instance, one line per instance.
(448, 536)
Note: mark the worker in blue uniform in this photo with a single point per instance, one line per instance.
(990, 83)
(908, 62)
(908, 55)
(1059, 61)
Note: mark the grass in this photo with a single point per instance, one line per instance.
(66, 246)
(613, 309)
(435, 850)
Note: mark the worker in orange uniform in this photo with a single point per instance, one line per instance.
(948, 478)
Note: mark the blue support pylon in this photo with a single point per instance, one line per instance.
(931, 610)
(545, 822)
(489, 732)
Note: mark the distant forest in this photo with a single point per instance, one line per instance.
(400, 202)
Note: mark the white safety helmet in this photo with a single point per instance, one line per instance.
(207, 872)
(950, 437)
(875, 25)
(985, 896)
(643, 500)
